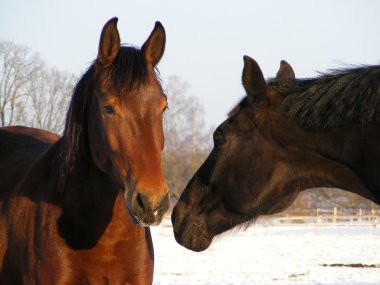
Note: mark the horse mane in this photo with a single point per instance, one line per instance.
(339, 99)
(128, 71)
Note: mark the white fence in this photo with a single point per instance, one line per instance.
(334, 216)
(320, 218)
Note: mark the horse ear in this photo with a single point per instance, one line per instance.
(285, 71)
(154, 47)
(253, 79)
(109, 44)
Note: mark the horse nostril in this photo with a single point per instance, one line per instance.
(140, 201)
(143, 205)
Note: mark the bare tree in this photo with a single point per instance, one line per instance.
(17, 69)
(30, 93)
(187, 139)
(49, 98)
(185, 127)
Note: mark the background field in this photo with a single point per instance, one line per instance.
(278, 255)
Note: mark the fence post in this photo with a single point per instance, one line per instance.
(373, 215)
(335, 212)
(317, 221)
(360, 215)
(374, 221)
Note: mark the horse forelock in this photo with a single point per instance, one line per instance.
(128, 71)
(235, 110)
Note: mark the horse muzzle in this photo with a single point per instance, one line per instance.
(144, 212)
(190, 232)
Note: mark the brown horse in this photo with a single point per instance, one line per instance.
(285, 136)
(73, 207)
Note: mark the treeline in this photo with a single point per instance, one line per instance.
(36, 95)
(32, 93)
(327, 198)
(187, 138)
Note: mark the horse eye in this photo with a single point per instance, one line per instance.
(108, 109)
(219, 139)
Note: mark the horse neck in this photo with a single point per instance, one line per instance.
(355, 157)
(347, 159)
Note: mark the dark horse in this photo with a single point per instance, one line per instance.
(285, 136)
(73, 207)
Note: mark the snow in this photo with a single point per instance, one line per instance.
(275, 255)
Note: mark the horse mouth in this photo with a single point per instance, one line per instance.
(152, 219)
(136, 219)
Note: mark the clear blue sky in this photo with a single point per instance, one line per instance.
(206, 39)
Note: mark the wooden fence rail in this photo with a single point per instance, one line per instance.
(333, 216)
(323, 219)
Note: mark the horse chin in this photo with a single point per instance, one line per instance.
(194, 241)
(192, 237)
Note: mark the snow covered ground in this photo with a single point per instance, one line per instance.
(274, 255)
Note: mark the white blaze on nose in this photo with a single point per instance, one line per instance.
(155, 213)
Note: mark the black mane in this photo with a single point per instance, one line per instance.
(128, 71)
(339, 99)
